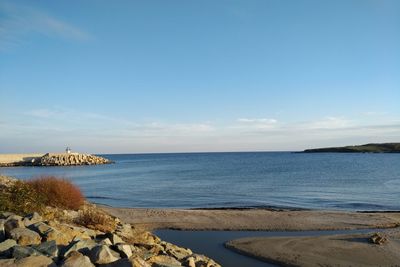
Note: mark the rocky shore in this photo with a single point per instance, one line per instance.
(58, 238)
(54, 159)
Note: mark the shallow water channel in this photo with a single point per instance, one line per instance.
(211, 243)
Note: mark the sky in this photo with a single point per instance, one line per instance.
(196, 76)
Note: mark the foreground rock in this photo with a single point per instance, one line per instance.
(35, 241)
(24, 236)
(334, 250)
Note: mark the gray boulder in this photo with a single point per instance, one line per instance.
(164, 261)
(104, 241)
(36, 261)
(115, 239)
(19, 252)
(41, 228)
(48, 248)
(124, 250)
(25, 237)
(83, 246)
(11, 223)
(5, 214)
(50, 233)
(121, 263)
(7, 263)
(31, 219)
(103, 254)
(2, 232)
(76, 259)
(6, 247)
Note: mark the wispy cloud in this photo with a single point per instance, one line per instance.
(112, 126)
(258, 120)
(90, 131)
(328, 123)
(18, 21)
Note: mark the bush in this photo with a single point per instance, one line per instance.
(20, 198)
(96, 220)
(57, 192)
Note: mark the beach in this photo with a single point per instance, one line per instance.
(253, 219)
(327, 250)
(331, 250)
(226, 204)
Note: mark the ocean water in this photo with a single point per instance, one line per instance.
(252, 179)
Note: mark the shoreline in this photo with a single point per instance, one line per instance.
(245, 208)
(254, 219)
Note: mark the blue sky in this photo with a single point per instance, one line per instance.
(210, 75)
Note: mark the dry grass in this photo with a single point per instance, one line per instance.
(96, 220)
(57, 192)
(20, 198)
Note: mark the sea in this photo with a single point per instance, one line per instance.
(334, 181)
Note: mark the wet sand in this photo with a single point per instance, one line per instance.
(332, 250)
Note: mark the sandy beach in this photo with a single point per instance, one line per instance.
(253, 219)
(332, 250)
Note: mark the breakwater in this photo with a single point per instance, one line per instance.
(51, 159)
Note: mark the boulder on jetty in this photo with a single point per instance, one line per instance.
(69, 159)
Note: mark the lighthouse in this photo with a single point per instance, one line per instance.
(68, 150)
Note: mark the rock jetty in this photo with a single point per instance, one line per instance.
(55, 159)
(69, 159)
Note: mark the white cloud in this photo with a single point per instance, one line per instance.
(259, 120)
(18, 21)
(328, 123)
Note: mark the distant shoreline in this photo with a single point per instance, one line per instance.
(367, 148)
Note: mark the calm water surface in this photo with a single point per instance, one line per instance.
(278, 179)
(211, 243)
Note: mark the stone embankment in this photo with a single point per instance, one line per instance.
(67, 159)
(51, 159)
(60, 240)
(33, 241)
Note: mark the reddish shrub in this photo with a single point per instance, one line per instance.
(57, 192)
